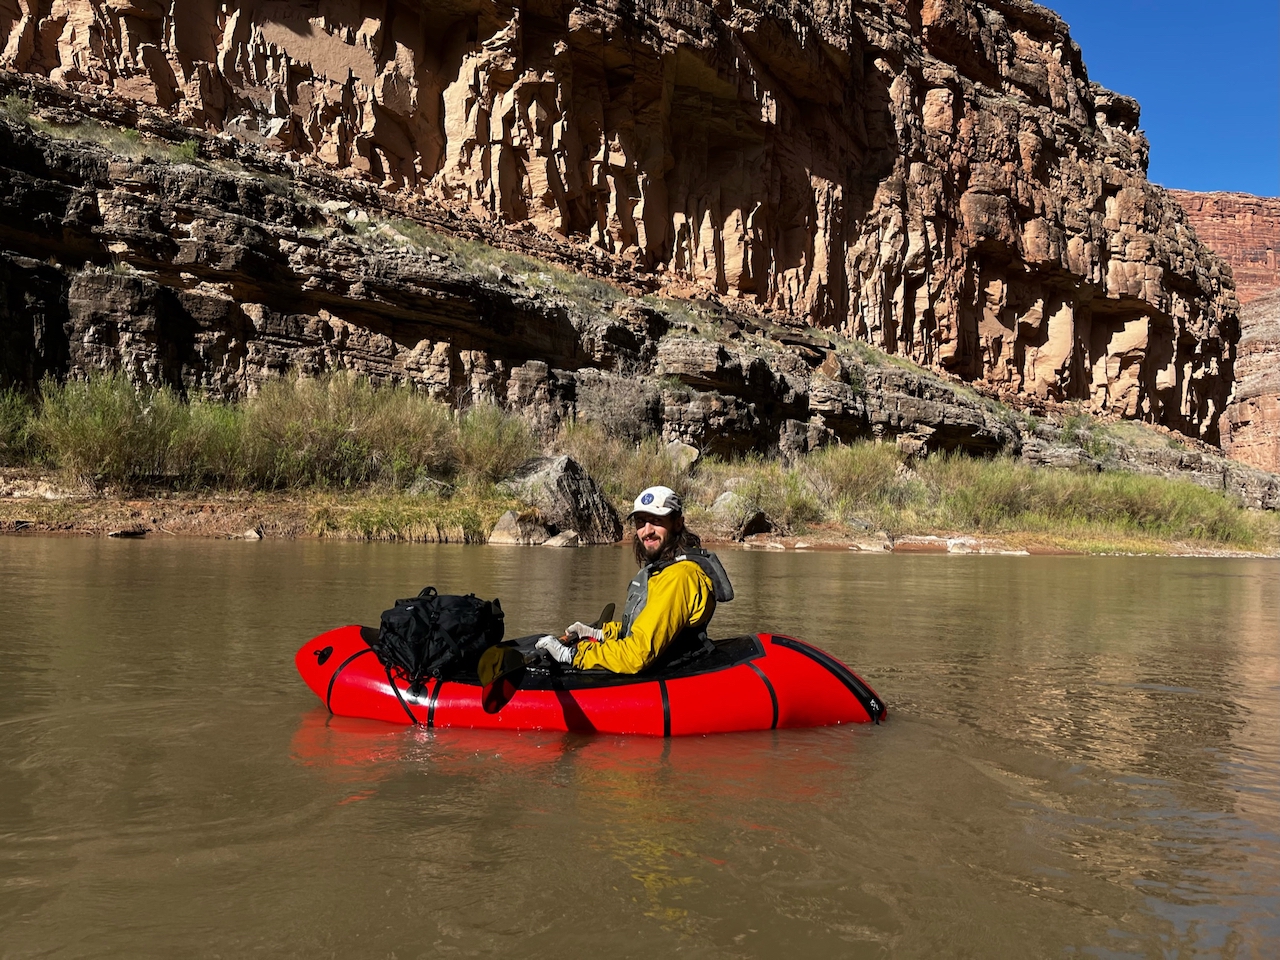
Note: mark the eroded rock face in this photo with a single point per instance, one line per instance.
(211, 281)
(936, 176)
(1253, 434)
(1244, 231)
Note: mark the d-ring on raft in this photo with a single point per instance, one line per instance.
(757, 682)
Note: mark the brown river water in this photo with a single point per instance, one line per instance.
(1082, 759)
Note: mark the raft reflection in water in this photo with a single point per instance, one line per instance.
(748, 766)
(658, 826)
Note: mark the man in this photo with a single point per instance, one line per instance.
(669, 603)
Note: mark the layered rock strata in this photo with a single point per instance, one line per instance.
(1244, 231)
(320, 286)
(211, 280)
(937, 177)
(1253, 417)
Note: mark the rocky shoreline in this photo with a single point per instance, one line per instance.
(32, 505)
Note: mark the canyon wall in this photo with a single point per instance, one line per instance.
(1253, 416)
(936, 177)
(1245, 231)
(211, 278)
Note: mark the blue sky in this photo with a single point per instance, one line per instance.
(1207, 76)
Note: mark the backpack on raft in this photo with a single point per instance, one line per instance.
(436, 634)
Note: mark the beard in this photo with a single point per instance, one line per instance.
(670, 541)
(652, 550)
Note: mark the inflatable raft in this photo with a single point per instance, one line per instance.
(760, 682)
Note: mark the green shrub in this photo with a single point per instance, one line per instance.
(207, 453)
(784, 493)
(1088, 434)
(294, 434)
(410, 436)
(16, 108)
(1004, 495)
(16, 412)
(105, 432)
(466, 516)
(492, 443)
(850, 478)
(785, 498)
(341, 431)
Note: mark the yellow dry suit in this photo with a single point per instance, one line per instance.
(669, 604)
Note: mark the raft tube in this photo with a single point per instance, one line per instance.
(760, 682)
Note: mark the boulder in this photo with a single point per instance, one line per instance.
(739, 516)
(569, 538)
(1041, 453)
(518, 528)
(683, 455)
(567, 499)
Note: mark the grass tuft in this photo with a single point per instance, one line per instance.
(16, 108)
(16, 412)
(104, 433)
(341, 431)
(492, 443)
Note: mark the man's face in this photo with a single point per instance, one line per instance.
(654, 533)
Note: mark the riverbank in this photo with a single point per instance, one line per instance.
(336, 457)
(32, 504)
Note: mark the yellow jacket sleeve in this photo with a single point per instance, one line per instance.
(679, 596)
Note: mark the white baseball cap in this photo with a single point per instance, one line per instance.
(657, 502)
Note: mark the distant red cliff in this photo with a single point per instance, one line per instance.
(1245, 231)
(1242, 229)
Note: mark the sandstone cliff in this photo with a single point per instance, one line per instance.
(213, 277)
(1244, 231)
(1253, 434)
(936, 177)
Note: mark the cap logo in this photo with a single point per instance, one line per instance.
(647, 499)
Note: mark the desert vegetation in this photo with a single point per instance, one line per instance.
(389, 462)
(121, 141)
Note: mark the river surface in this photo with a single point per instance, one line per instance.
(1082, 759)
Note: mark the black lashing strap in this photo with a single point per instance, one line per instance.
(342, 666)
(860, 690)
(666, 708)
(431, 704)
(396, 690)
(773, 694)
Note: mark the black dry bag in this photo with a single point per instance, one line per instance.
(436, 634)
